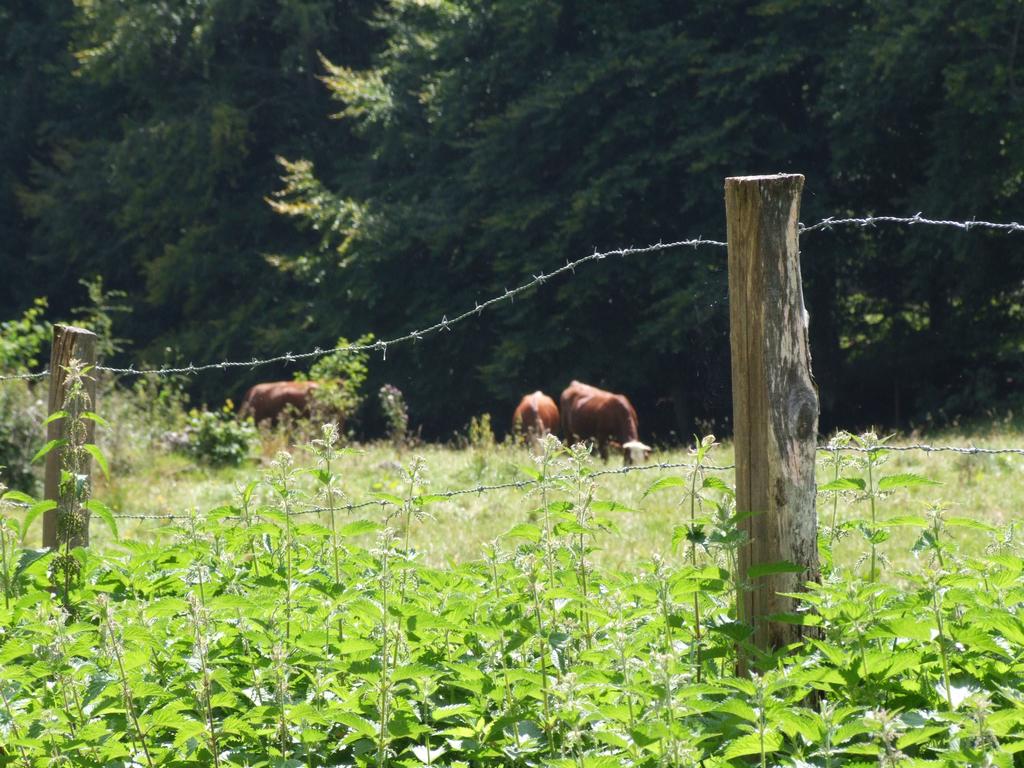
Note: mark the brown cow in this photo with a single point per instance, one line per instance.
(267, 400)
(535, 416)
(605, 417)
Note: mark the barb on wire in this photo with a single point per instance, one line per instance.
(870, 221)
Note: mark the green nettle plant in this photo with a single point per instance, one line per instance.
(290, 629)
(74, 503)
(870, 487)
(704, 534)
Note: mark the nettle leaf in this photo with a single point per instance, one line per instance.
(359, 724)
(427, 755)
(527, 531)
(714, 483)
(977, 525)
(14, 649)
(357, 646)
(94, 451)
(686, 533)
(919, 735)
(531, 472)
(358, 528)
(55, 416)
(844, 484)
(908, 627)
(51, 445)
(27, 558)
(795, 722)
(398, 501)
(570, 527)
(666, 482)
(95, 417)
(18, 497)
(104, 513)
(752, 744)
(35, 511)
(452, 710)
(908, 480)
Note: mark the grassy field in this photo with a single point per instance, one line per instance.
(158, 482)
(277, 642)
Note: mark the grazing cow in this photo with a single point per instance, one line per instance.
(266, 401)
(535, 416)
(592, 413)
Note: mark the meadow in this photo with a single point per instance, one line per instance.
(159, 482)
(585, 619)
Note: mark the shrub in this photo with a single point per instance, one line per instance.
(480, 434)
(151, 412)
(217, 437)
(22, 410)
(341, 375)
(22, 340)
(396, 413)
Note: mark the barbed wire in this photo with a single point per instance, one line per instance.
(24, 376)
(444, 324)
(520, 484)
(917, 218)
(447, 494)
(970, 450)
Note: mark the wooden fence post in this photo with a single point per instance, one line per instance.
(775, 402)
(69, 343)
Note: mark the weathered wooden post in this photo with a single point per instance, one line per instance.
(69, 343)
(775, 401)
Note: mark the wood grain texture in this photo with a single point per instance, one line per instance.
(69, 343)
(775, 399)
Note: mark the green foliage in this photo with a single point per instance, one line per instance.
(341, 376)
(479, 144)
(479, 433)
(502, 139)
(21, 408)
(142, 150)
(97, 316)
(257, 630)
(22, 340)
(396, 413)
(218, 437)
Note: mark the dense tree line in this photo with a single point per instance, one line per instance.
(481, 143)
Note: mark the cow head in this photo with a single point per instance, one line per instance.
(635, 452)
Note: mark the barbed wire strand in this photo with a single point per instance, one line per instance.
(970, 450)
(451, 493)
(520, 484)
(445, 324)
(24, 376)
(917, 218)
